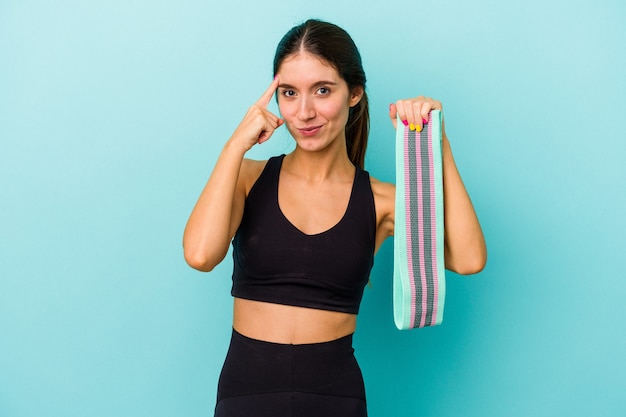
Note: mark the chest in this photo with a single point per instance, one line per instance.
(313, 209)
(269, 246)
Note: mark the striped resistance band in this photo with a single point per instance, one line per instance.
(419, 285)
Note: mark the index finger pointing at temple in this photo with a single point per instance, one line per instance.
(267, 96)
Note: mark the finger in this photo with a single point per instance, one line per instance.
(401, 112)
(410, 107)
(269, 93)
(266, 134)
(433, 105)
(393, 114)
(418, 108)
(425, 114)
(272, 124)
(276, 121)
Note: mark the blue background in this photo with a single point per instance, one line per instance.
(112, 115)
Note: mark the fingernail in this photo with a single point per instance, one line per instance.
(424, 121)
(275, 76)
(404, 122)
(412, 126)
(418, 128)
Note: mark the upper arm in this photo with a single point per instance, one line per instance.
(248, 174)
(384, 200)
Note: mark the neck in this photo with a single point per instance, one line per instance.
(319, 166)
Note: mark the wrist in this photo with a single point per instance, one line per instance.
(235, 146)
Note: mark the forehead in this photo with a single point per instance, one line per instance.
(306, 67)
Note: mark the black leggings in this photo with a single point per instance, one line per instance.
(262, 379)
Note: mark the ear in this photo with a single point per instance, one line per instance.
(356, 96)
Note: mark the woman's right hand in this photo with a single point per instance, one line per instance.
(259, 123)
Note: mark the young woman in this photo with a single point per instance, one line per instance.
(306, 227)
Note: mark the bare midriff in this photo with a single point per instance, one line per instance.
(289, 324)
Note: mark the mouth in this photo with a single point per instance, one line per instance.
(309, 131)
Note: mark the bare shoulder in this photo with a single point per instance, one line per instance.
(384, 191)
(384, 199)
(250, 172)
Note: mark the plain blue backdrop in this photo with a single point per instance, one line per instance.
(112, 115)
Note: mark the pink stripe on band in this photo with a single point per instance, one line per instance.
(420, 225)
(433, 225)
(409, 242)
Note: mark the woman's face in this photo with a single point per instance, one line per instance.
(314, 101)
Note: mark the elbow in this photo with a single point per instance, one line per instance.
(201, 262)
(471, 267)
(471, 264)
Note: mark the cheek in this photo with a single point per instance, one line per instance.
(286, 109)
(334, 109)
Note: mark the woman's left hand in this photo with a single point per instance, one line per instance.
(413, 112)
(464, 244)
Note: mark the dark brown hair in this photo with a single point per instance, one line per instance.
(335, 46)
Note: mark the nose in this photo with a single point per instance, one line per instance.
(306, 109)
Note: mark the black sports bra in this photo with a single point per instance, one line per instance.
(277, 263)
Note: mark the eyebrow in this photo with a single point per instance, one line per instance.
(316, 84)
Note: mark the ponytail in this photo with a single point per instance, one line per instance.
(357, 132)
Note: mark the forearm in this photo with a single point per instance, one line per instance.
(465, 248)
(211, 223)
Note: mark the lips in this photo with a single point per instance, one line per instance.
(310, 130)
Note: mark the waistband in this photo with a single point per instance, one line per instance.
(255, 367)
(344, 341)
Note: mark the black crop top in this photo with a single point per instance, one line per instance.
(275, 262)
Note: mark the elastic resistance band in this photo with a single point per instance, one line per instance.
(419, 274)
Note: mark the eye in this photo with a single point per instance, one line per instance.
(288, 93)
(323, 91)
